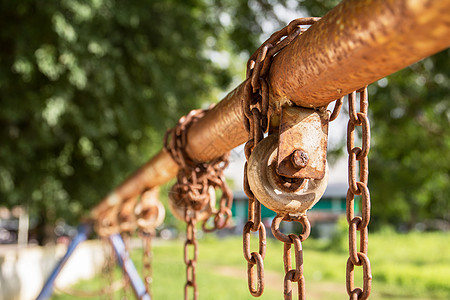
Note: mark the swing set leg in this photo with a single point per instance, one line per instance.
(122, 257)
(128, 267)
(83, 231)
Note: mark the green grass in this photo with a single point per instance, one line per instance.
(410, 266)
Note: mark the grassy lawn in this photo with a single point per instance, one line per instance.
(410, 266)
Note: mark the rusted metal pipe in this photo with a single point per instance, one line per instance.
(355, 44)
(156, 171)
(220, 130)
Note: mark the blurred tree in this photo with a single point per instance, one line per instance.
(87, 88)
(409, 159)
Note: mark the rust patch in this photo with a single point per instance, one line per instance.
(302, 146)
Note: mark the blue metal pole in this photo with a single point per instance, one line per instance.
(128, 267)
(47, 290)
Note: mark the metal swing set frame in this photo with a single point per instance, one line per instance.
(353, 45)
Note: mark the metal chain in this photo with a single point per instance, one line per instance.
(193, 182)
(255, 106)
(191, 177)
(358, 187)
(147, 259)
(109, 266)
(191, 263)
(296, 274)
(222, 216)
(150, 215)
(336, 110)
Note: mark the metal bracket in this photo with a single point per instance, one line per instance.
(302, 144)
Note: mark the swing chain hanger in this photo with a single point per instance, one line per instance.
(255, 106)
(193, 195)
(194, 178)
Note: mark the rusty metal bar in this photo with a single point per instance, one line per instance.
(318, 67)
(357, 43)
(158, 170)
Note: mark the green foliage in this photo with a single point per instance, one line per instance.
(318, 8)
(409, 161)
(339, 239)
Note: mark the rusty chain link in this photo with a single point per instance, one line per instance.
(222, 216)
(256, 285)
(255, 106)
(191, 263)
(296, 274)
(192, 188)
(358, 187)
(336, 110)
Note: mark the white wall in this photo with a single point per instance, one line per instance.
(23, 271)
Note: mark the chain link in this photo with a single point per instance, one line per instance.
(358, 187)
(255, 107)
(151, 214)
(336, 110)
(255, 283)
(296, 274)
(222, 216)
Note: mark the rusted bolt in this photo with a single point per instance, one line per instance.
(299, 159)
